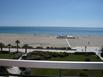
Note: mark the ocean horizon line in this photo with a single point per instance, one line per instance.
(56, 26)
(51, 30)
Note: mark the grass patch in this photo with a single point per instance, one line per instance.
(67, 72)
(11, 55)
(6, 56)
(76, 58)
(61, 56)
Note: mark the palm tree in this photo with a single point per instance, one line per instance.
(1, 46)
(9, 45)
(17, 42)
(25, 46)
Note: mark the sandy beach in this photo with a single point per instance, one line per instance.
(48, 40)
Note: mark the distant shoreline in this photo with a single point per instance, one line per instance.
(82, 31)
(51, 41)
(36, 34)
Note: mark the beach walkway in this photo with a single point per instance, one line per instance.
(96, 50)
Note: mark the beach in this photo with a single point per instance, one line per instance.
(51, 40)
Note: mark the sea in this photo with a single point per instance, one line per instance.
(51, 30)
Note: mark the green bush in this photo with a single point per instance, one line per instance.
(59, 48)
(102, 51)
(17, 55)
(84, 53)
(3, 70)
(87, 59)
(39, 47)
(4, 52)
(83, 74)
(39, 55)
(29, 47)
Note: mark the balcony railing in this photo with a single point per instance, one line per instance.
(52, 64)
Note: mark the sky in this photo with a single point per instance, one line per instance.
(68, 13)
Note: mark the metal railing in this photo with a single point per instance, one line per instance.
(52, 64)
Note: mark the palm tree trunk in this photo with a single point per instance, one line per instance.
(25, 50)
(17, 48)
(1, 48)
(9, 49)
